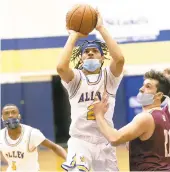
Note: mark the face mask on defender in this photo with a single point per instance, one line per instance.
(145, 99)
(11, 123)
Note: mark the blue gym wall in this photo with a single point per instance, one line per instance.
(35, 102)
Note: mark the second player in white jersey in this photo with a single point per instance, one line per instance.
(87, 148)
(21, 154)
(19, 142)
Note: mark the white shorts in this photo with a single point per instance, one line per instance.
(87, 156)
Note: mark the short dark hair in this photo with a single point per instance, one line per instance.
(10, 104)
(163, 82)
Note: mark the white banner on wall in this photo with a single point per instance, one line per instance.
(132, 20)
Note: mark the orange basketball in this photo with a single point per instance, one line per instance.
(81, 18)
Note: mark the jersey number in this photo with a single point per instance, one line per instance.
(167, 143)
(90, 113)
(14, 165)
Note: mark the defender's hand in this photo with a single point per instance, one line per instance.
(101, 107)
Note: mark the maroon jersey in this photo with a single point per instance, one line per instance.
(166, 110)
(152, 154)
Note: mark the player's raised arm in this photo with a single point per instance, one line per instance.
(118, 60)
(63, 68)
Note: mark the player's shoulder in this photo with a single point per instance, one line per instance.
(106, 70)
(35, 131)
(26, 127)
(144, 117)
(31, 130)
(143, 114)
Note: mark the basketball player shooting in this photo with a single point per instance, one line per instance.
(87, 148)
(19, 142)
(148, 132)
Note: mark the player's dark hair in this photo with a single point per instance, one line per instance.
(163, 82)
(77, 51)
(10, 104)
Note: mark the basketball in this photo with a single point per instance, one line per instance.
(81, 18)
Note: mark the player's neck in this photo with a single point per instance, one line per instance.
(15, 133)
(97, 71)
(153, 106)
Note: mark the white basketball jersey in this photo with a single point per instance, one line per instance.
(21, 154)
(82, 91)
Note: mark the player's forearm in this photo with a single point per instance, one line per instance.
(64, 57)
(110, 133)
(55, 148)
(113, 47)
(60, 151)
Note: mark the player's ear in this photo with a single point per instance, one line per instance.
(159, 95)
(19, 116)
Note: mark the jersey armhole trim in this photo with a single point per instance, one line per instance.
(29, 138)
(78, 86)
(105, 84)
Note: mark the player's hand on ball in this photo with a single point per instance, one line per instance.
(99, 20)
(101, 107)
(78, 34)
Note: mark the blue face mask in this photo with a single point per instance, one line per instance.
(145, 99)
(11, 123)
(91, 64)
